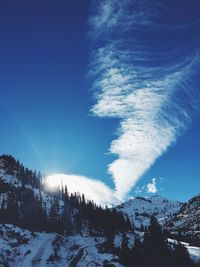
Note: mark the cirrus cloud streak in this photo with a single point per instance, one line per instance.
(93, 189)
(142, 76)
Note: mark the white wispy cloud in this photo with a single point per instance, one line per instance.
(138, 78)
(93, 189)
(139, 189)
(152, 187)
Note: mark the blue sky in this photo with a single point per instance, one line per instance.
(60, 64)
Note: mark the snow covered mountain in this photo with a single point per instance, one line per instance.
(16, 180)
(188, 215)
(187, 221)
(41, 228)
(140, 209)
(182, 220)
(38, 228)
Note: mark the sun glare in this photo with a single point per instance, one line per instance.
(54, 181)
(92, 189)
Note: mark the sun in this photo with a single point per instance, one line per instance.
(54, 181)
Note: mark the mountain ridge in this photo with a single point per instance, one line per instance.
(68, 223)
(139, 209)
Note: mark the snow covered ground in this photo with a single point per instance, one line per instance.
(193, 251)
(22, 248)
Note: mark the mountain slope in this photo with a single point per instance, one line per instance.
(187, 221)
(188, 215)
(25, 202)
(67, 230)
(23, 248)
(140, 209)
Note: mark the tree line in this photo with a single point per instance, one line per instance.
(29, 206)
(153, 251)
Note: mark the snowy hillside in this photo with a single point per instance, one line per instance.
(41, 228)
(14, 178)
(140, 209)
(187, 220)
(188, 215)
(22, 248)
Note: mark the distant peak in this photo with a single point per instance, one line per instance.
(157, 197)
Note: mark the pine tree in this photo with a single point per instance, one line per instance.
(125, 252)
(54, 218)
(137, 254)
(181, 257)
(155, 245)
